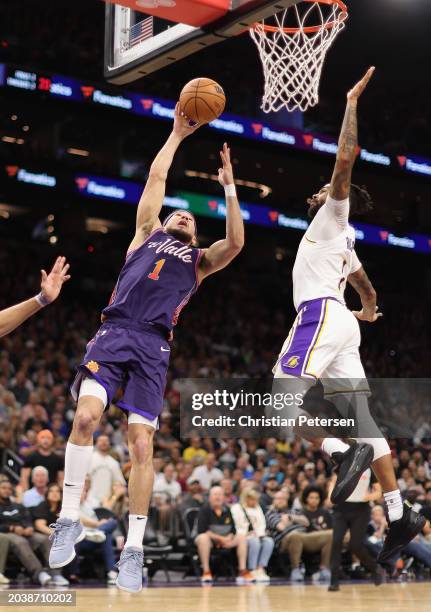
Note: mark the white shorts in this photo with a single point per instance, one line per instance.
(323, 344)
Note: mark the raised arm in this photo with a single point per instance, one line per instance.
(151, 202)
(221, 253)
(362, 284)
(51, 284)
(348, 142)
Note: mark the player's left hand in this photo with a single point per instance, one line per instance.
(225, 174)
(52, 283)
(366, 315)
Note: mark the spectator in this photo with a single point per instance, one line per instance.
(270, 489)
(36, 495)
(312, 507)
(104, 470)
(195, 449)
(274, 472)
(21, 387)
(216, 527)
(46, 513)
(118, 501)
(34, 409)
(229, 495)
(250, 522)
(193, 498)
(289, 530)
(16, 525)
(4, 549)
(45, 456)
(167, 485)
(208, 474)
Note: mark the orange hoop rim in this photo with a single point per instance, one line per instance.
(309, 29)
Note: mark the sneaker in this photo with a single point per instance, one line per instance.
(112, 577)
(334, 587)
(245, 577)
(401, 532)
(43, 578)
(352, 464)
(66, 534)
(261, 575)
(131, 566)
(60, 580)
(297, 575)
(378, 575)
(95, 535)
(206, 577)
(323, 575)
(3, 579)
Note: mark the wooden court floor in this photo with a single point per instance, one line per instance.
(254, 598)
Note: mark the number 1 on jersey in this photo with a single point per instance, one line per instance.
(154, 275)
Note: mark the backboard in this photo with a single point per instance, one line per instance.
(137, 43)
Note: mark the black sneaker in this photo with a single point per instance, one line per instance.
(378, 575)
(401, 532)
(334, 587)
(352, 464)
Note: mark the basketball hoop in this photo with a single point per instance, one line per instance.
(293, 49)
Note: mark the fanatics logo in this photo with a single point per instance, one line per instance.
(93, 366)
(292, 362)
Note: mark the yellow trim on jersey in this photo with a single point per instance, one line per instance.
(317, 341)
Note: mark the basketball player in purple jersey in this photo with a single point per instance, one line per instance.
(131, 349)
(324, 340)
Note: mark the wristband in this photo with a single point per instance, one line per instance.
(230, 190)
(41, 300)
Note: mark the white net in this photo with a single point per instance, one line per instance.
(292, 51)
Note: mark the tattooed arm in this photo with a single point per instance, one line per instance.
(348, 142)
(362, 284)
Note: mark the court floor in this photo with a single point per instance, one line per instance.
(256, 598)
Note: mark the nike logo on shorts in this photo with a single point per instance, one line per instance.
(164, 350)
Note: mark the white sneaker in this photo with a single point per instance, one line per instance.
(60, 580)
(112, 577)
(95, 535)
(261, 575)
(44, 578)
(3, 579)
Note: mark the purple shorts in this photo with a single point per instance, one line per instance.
(128, 357)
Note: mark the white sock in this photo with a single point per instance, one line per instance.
(76, 466)
(334, 445)
(394, 505)
(135, 535)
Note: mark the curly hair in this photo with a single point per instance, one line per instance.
(313, 489)
(360, 200)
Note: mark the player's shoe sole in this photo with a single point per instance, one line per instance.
(353, 464)
(401, 532)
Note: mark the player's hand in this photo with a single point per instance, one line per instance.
(368, 315)
(183, 126)
(225, 174)
(52, 283)
(357, 90)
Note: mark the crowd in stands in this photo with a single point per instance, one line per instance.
(262, 503)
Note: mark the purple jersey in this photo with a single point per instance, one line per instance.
(156, 282)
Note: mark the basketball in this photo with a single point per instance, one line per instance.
(202, 100)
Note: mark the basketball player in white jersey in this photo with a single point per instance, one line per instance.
(324, 340)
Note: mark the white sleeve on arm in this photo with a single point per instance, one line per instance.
(331, 219)
(356, 264)
(340, 209)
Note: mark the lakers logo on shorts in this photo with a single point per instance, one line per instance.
(93, 366)
(292, 362)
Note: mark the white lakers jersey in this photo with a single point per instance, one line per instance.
(326, 255)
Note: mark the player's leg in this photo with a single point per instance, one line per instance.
(319, 333)
(79, 449)
(140, 488)
(405, 524)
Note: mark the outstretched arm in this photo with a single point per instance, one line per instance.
(221, 253)
(348, 142)
(51, 285)
(151, 202)
(362, 284)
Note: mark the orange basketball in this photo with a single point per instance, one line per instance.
(202, 100)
